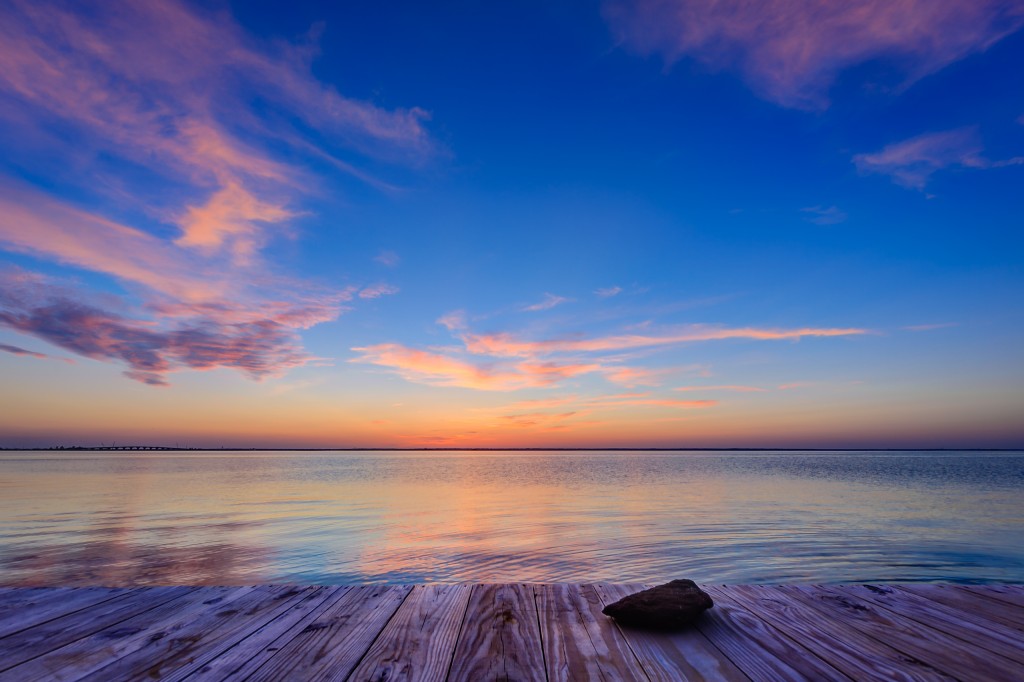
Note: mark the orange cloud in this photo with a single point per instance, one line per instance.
(631, 376)
(507, 345)
(231, 216)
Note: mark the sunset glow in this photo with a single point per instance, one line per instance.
(620, 224)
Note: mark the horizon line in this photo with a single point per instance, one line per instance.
(153, 448)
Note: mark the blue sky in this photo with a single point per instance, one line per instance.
(579, 224)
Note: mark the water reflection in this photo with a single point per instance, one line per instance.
(238, 518)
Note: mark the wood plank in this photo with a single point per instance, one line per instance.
(684, 655)
(15, 598)
(37, 606)
(1010, 594)
(831, 639)
(259, 645)
(419, 641)
(976, 632)
(579, 641)
(936, 648)
(500, 638)
(86, 654)
(992, 609)
(330, 646)
(187, 645)
(53, 634)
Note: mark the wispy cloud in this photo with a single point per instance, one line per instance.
(794, 385)
(503, 361)
(635, 376)
(819, 215)
(738, 389)
(790, 51)
(207, 131)
(454, 321)
(388, 259)
(911, 163)
(547, 303)
(378, 290)
(17, 350)
(608, 292)
(509, 345)
(929, 327)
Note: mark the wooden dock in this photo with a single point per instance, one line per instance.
(507, 632)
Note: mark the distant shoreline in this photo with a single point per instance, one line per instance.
(132, 448)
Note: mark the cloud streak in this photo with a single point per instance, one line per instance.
(791, 51)
(508, 345)
(547, 303)
(505, 362)
(17, 350)
(911, 163)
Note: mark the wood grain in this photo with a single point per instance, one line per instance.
(51, 635)
(934, 647)
(972, 602)
(964, 625)
(262, 643)
(330, 645)
(579, 641)
(417, 644)
(500, 636)
(187, 645)
(27, 608)
(909, 633)
(830, 638)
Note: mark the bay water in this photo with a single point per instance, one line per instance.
(223, 517)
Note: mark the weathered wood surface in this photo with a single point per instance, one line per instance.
(508, 632)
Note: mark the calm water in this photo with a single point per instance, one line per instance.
(230, 518)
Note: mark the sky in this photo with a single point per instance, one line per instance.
(630, 223)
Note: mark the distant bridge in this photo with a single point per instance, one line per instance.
(120, 447)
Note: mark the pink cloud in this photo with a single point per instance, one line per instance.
(790, 51)
(31, 305)
(514, 363)
(33, 223)
(165, 89)
(232, 215)
(912, 162)
(507, 345)
(608, 292)
(378, 290)
(442, 370)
